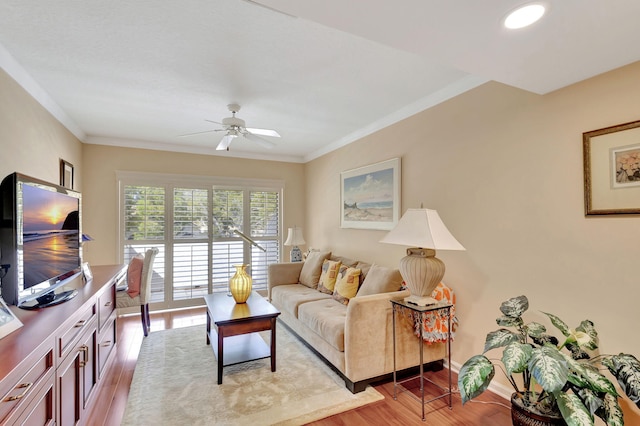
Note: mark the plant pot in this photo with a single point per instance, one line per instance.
(522, 416)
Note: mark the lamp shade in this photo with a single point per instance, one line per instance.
(294, 237)
(422, 228)
(424, 232)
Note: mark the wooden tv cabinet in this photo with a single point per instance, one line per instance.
(51, 368)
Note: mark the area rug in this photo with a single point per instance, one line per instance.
(175, 383)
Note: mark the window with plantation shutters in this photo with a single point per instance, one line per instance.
(190, 261)
(265, 225)
(203, 227)
(144, 227)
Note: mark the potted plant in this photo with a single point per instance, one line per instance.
(560, 380)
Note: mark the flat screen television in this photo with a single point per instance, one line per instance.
(40, 241)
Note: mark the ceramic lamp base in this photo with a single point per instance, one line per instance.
(296, 254)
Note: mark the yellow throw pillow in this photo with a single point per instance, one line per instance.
(347, 284)
(328, 276)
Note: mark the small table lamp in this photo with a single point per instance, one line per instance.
(422, 271)
(294, 238)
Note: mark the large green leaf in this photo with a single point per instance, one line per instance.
(505, 321)
(543, 339)
(515, 306)
(515, 357)
(626, 369)
(559, 324)
(587, 327)
(590, 399)
(549, 368)
(499, 339)
(591, 377)
(535, 329)
(611, 412)
(573, 410)
(474, 377)
(576, 352)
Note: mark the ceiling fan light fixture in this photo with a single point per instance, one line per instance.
(524, 15)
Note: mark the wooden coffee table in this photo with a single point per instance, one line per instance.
(236, 327)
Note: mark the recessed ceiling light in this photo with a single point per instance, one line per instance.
(524, 16)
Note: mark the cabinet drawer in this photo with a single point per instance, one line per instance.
(40, 411)
(106, 344)
(106, 305)
(68, 336)
(24, 390)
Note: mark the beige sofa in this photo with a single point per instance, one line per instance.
(355, 338)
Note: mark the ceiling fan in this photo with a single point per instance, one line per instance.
(234, 127)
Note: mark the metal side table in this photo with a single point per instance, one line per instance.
(418, 313)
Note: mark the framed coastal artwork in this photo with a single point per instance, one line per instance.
(370, 196)
(612, 170)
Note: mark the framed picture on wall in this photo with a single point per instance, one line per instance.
(370, 196)
(612, 170)
(66, 174)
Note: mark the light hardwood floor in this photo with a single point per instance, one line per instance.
(111, 401)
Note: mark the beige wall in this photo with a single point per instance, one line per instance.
(100, 215)
(32, 142)
(503, 167)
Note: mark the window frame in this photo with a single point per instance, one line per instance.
(172, 181)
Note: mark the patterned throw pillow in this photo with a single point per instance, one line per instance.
(328, 276)
(347, 284)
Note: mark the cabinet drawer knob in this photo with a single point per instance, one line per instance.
(109, 303)
(106, 344)
(80, 323)
(26, 387)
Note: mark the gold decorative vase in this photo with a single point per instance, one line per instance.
(240, 284)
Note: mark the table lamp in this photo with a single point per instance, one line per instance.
(424, 232)
(294, 238)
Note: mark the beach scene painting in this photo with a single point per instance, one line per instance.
(370, 196)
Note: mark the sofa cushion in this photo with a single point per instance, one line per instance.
(312, 268)
(364, 270)
(327, 319)
(289, 296)
(347, 284)
(327, 281)
(344, 260)
(380, 280)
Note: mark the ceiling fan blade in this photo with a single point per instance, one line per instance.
(263, 132)
(257, 139)
(225, 142)
(214, 122)
(198, 133)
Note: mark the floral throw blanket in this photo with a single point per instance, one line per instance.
(434, 324)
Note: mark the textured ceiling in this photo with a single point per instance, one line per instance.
(322, 73)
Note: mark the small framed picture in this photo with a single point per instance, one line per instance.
(8, 321)
(611, 159)
(86, 271)
(66, 174)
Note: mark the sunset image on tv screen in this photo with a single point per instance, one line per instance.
(50, 234)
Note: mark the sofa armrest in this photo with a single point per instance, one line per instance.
(283, 273)
(368, 338)
(366, 333)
